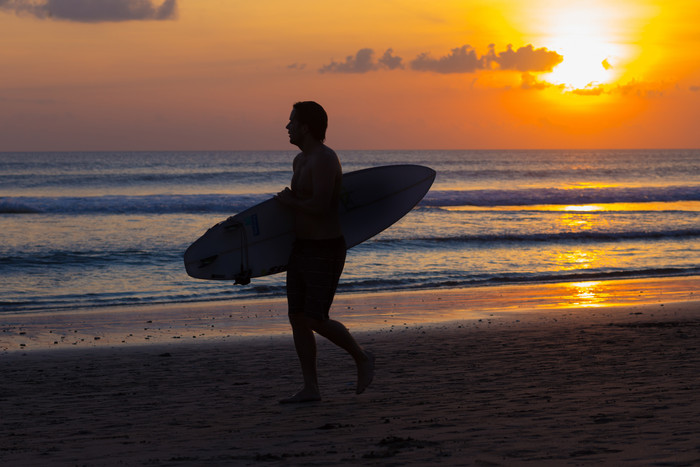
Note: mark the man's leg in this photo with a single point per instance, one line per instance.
(337, 333)
(310, 291)
(305, 344)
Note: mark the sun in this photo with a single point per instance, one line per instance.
(586, 41)
(585, 65)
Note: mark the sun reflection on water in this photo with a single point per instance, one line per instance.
(576, 219)
(579, 218)
(576, 259)
(576, 222)
(586, 208)
(587, 294)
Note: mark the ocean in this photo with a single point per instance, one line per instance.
(95, 229)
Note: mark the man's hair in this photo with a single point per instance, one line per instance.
(312, 114)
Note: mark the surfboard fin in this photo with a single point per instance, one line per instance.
(242, 280)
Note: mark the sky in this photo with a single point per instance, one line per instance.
(85, 75)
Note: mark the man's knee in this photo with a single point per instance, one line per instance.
(303, 321)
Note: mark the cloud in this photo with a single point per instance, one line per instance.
(695, 88)
(362, 62)
(459, 60)
(390, 61)
(529, 81)
(646, 90)
(465, 60)
(590, 90)
(92, 11)
(462, 59)
(524, 59)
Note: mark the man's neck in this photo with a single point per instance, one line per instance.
(310, 146)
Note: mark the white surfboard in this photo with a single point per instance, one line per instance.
(258, 241)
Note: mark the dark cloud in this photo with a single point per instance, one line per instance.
(695, 88)
(465, 60)
(390, 61)
(362, 62)
(460, 60)
(93, 11)
(525, 58)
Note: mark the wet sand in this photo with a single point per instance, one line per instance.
(509, 381)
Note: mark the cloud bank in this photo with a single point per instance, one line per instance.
(462, 59)
(527, 60)
(93, 11)
(362, 62)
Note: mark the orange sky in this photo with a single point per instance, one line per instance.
(392, 74)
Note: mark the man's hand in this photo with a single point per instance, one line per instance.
(285, 196)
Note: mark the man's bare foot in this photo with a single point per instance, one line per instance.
(305, 395)
(365, 372)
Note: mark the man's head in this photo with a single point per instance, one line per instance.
(312, 115)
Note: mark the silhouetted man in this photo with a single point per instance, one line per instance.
(318, 255)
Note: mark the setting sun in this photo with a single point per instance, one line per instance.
(583, 66)
(586, 40)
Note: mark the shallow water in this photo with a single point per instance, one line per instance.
(97, 229)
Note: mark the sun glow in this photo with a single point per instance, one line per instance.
(585, 39)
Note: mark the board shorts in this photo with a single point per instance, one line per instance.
(313, 273)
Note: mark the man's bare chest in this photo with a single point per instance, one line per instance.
(302, 181)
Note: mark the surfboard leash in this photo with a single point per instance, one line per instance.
(243, 278)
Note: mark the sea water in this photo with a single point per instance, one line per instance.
(95, 229)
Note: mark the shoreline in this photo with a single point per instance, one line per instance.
(576, 386)
(378, 312)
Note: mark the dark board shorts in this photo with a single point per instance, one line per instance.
(313, 273)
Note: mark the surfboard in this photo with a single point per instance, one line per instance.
(258, 241)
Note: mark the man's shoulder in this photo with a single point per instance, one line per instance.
(326, 158)
(328, 151)
(297, 159)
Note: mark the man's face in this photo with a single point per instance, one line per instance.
(295, 129)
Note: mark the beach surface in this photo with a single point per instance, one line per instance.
(602, 373)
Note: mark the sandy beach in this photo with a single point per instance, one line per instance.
(561, 374)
